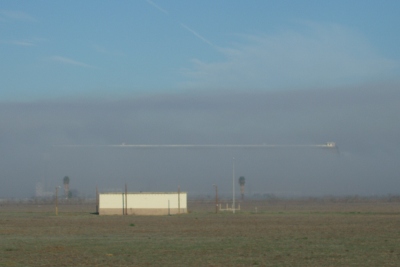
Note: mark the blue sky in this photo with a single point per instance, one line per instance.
(57, 49)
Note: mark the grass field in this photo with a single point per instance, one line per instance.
(279, 234)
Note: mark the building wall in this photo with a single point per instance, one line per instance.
(142, 203)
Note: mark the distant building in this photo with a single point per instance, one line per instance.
(40, 191)
(163, 203)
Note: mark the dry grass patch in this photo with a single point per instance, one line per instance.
(287, 237)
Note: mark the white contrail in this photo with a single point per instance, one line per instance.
(327, 145)
(196, 34)
(182, 24)
(157, 6)
(71, 62)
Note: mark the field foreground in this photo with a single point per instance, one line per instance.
(308, 235)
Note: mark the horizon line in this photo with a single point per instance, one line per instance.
(326, 145)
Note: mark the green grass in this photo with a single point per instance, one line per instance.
(276, 238)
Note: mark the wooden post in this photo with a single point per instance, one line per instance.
(56, 200)
(179, 199)
(126, 199)
(97, 200)
(216, 198)
(123, 203)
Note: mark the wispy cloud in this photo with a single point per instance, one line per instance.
(182, 24)
(18, 43)
(317, 55)
(69, 61)
(196, 34)
(15, 15)
(103, 50)
(100, 49)
(25, 42)
(157, 6)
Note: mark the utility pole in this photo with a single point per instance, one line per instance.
(179, 199)
(126, 199)
(97, 200)
(233, 186)
(56, 200)
(216, 198)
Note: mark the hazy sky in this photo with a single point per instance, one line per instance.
(205, 72)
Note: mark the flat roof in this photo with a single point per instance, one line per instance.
(158, 193)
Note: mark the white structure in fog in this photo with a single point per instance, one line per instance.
(163, 203)
(40, 191)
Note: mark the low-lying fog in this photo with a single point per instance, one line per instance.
(363, 121)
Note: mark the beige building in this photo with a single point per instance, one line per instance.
(142, 203)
